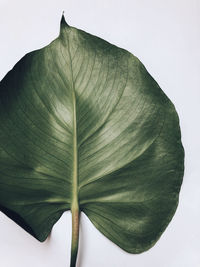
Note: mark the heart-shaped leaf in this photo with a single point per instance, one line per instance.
(85, 127)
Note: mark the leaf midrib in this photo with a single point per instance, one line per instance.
(75, 154)
(74, 197)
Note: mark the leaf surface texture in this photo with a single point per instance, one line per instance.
(83, 108)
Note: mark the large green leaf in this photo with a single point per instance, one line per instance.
(84, 126)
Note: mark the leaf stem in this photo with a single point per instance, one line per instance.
(75, 234)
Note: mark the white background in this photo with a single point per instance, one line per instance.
(165, 35)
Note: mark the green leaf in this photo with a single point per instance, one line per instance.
(85, 127)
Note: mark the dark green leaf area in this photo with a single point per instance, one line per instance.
(133, 205)
(83, 113)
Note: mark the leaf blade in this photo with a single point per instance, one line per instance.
(83, 104)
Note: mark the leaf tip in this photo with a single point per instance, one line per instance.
(63, 21)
